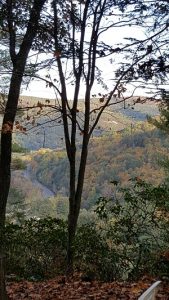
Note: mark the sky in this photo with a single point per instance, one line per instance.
(113, 36)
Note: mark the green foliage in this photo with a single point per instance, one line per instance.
(93, 256)
(55, 207)
(163, 121)
(37, 248)
(128, 239)
(137, 229)
(130, 236)
(17, 148)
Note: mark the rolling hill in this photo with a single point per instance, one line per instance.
(44, 128)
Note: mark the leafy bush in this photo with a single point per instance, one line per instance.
(37, 249)
(93, 256)
(137, 229)
(127, 240)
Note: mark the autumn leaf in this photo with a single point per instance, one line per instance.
(75, 288)
(7, 127)
(138, 179)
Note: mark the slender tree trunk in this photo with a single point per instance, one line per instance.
(72, 222)
(72, 225)
(74, 206)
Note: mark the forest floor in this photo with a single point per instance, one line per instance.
(75, 288)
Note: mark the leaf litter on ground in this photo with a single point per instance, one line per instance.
(62, 288)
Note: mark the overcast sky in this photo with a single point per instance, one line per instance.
(113, 36)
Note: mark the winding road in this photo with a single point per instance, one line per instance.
(45, 191)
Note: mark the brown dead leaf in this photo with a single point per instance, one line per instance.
(74, 288)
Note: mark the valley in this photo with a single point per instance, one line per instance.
(122, 148)
(84, 166)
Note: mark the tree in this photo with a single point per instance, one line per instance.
(84, 23)
(77, 41)
(19, 24)
(162, 122)
(151, 72)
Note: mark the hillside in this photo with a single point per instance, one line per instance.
(115, 156)
(45, 130)
(121, 148)
(112, 157)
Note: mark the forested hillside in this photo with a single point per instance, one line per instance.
(113, 157)
(121, 148)
(116, 156)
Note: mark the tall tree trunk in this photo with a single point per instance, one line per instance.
(5, 163)
(19, 63)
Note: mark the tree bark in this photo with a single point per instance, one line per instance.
(75, 199)
(3, 293)
(74, 208)
(72, 225)
(19, 63)
(5, 158)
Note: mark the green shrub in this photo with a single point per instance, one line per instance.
(128, 239)
(137, 228)
(37, 249)
(93, 256)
